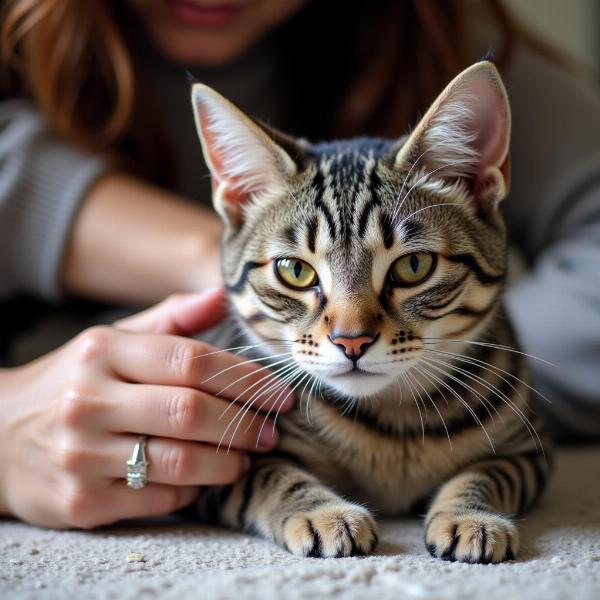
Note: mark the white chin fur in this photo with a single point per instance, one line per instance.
(356, 385)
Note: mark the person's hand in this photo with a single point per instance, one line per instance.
(70, 420)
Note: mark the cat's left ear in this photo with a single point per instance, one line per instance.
(466, 134)
(247, 165)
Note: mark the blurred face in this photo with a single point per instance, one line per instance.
(211, 32)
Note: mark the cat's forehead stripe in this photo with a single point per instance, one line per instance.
(411, 230)
(372, 200)
(387, 230)
(289, 235)
(312, 228)
(346, 183)
(318, 184)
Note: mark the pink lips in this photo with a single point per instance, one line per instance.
(209, 16)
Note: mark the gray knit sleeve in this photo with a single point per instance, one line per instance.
(42, 183)
(553, 214)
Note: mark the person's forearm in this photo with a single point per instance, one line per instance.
(136, 243)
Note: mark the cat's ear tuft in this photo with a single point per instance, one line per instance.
(246, 164)
(489, 55)
(466, 134)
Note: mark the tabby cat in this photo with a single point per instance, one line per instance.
(371, 272)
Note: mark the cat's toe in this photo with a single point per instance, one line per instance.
(471, 536)
(331, 531)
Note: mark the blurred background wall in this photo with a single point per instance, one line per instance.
(571, 24)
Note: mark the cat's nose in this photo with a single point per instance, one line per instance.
(354, 347)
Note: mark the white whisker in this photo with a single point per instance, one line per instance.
(245, 362)
(248, 405)
(489, 345)
(238, 349)
(505, 399)
(490, 367)
(245, 407)
(407, 381)
(271, 374)
(288, 382)
(304, 379)
(274, 388)
(283, 402)
(434, 404)
(423, 178)
(308, 381)
(462, 402)
(412, 168)
(412, 214)
(263, 368)
(484, 401)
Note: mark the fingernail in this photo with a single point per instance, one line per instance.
(268, 437)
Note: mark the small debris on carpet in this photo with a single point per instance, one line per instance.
(133, 557)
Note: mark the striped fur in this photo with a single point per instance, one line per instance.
(437, 414)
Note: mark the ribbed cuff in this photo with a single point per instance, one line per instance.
(50, 180)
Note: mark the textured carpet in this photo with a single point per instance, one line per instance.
(560, 558)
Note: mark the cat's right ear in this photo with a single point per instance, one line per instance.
(248, 167)
(466, 134)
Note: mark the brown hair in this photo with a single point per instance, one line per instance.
(369, 68)
(71, 58)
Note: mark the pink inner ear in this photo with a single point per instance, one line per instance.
(213, 155)
(234, 195)
(490, 122)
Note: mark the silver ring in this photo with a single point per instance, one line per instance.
(137, 465)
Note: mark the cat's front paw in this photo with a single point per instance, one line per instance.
(331, 530)
(471, 536)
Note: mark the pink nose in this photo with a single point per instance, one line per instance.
(353, 347)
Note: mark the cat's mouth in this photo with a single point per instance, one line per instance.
(355, 371)
(357, 382)
(361, 372)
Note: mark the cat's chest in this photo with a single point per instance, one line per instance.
(389, 473)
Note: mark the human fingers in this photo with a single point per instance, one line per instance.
(176, 462)
(179, 314)
(88, 507)
(178, 361)
(186, 414)
(152, 500)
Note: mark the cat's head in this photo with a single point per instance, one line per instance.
(355, 255)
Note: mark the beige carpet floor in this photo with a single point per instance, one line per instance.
(560, 558)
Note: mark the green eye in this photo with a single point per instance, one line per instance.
(295, 273)
(413, 268)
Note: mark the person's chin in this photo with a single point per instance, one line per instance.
(214, 51)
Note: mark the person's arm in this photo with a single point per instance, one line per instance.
(553, 214)
(133, 242)
(70, 224)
